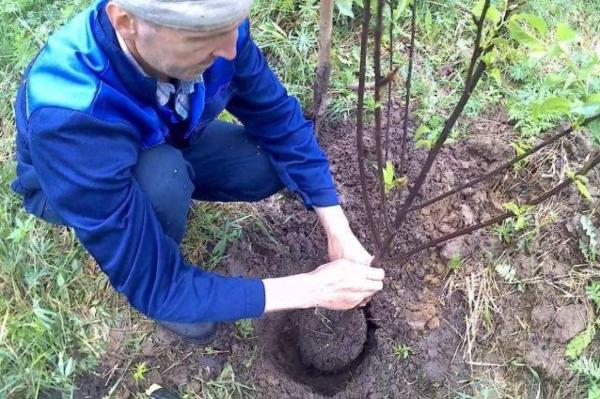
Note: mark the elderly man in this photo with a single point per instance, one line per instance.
(117, 134)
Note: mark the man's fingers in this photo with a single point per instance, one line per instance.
(371, 286)
(374, 273)
(365, 301)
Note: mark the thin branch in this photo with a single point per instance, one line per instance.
(407, 85)
(391, 77)
(414, 191)
(477, 46)
(470, 85)
(360, 123)
(388, 116)
(592, 163)
(504, 166)
(377, 98)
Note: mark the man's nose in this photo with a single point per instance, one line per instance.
(228, 49)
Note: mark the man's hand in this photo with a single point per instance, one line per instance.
(345, 245)
(338, 285)
(341, 241)
(343, 285)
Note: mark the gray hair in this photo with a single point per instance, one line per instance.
(196, 15)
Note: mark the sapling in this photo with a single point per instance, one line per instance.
(490, 26)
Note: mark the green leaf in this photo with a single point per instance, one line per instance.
(520, 223)
(587, 109)
(60, 280)
(489, 58)
(594, 129)
(140, 371)
(388, 174)
(514, 208)
(390, 181)
(577, 345)
(536, 22)
(493, 15)
(556, 105)
(520, 147)
(523, 37)
(402, 5)
(594, 98)
(344, 7)
(422, 131)
(478, 8)
(564, 33)
(583, 190)
(16, 235)
(496, 75)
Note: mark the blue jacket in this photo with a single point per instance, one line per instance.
(83, 115)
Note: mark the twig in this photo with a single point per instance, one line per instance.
(391, 77)
(414, 191)
(470, 85)
(377, 98)
(504, 166)
(388, 116)
(592, 163)
(360, 124)
(407, 85)
(477, 45)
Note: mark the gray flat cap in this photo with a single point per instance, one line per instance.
(198, 15)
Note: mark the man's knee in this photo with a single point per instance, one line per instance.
(261, 180)
(164, 176)
(231, 166)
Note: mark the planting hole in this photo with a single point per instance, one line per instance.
(323, 349)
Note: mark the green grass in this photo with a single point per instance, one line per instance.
(55, 308)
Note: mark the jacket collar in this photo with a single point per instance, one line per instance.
(142, 87)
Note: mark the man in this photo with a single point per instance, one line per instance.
(117, 134)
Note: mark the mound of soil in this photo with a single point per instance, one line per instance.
(329, 341)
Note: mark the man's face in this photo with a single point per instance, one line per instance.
(182, 54)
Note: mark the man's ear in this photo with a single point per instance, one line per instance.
(122, 21)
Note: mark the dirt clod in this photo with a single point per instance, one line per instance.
(570, 320)
(542, 315)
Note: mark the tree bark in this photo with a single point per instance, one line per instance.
(324, 67)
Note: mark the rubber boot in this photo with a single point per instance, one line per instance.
(197, 333)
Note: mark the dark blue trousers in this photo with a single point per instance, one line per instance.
(223, 165)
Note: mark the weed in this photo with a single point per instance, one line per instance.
(402, 351)
(579, 343)
(593, 292)
(211, 230)
(516, 227)
(244, 329)
(509, 274)
(455, 262)
(140, 372)
(390, 180)
(225, 386)
(589, 369)
(588, 244)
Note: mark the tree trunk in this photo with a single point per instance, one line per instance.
(324, 67)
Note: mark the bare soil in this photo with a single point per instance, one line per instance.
(456, 323)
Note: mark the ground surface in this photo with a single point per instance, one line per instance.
(493, 322)
(496, 323)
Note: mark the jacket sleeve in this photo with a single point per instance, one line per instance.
(84, 166)
(275, 120)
